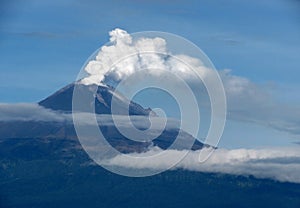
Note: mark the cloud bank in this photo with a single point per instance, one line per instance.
(278, 164)
(35, 112)
(282, 164)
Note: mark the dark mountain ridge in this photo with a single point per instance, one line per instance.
(62, 100)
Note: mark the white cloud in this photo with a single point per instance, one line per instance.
(35, 112)
(278, 164)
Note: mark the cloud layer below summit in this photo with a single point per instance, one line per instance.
(282, 164)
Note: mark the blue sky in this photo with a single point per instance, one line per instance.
(45, 43)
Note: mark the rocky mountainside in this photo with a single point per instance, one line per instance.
(62, 100)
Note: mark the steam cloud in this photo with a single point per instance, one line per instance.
(126, 56)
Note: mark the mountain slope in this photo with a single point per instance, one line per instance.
(62, 100)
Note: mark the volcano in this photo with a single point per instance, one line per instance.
(42, 164)
(61, 102)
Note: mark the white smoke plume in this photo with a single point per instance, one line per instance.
(246, 101)
(125, 56)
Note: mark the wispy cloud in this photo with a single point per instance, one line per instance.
(250, 102)
(228, 39)
(36, 34)
(41, 34)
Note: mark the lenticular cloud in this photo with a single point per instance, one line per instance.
(126, 55)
